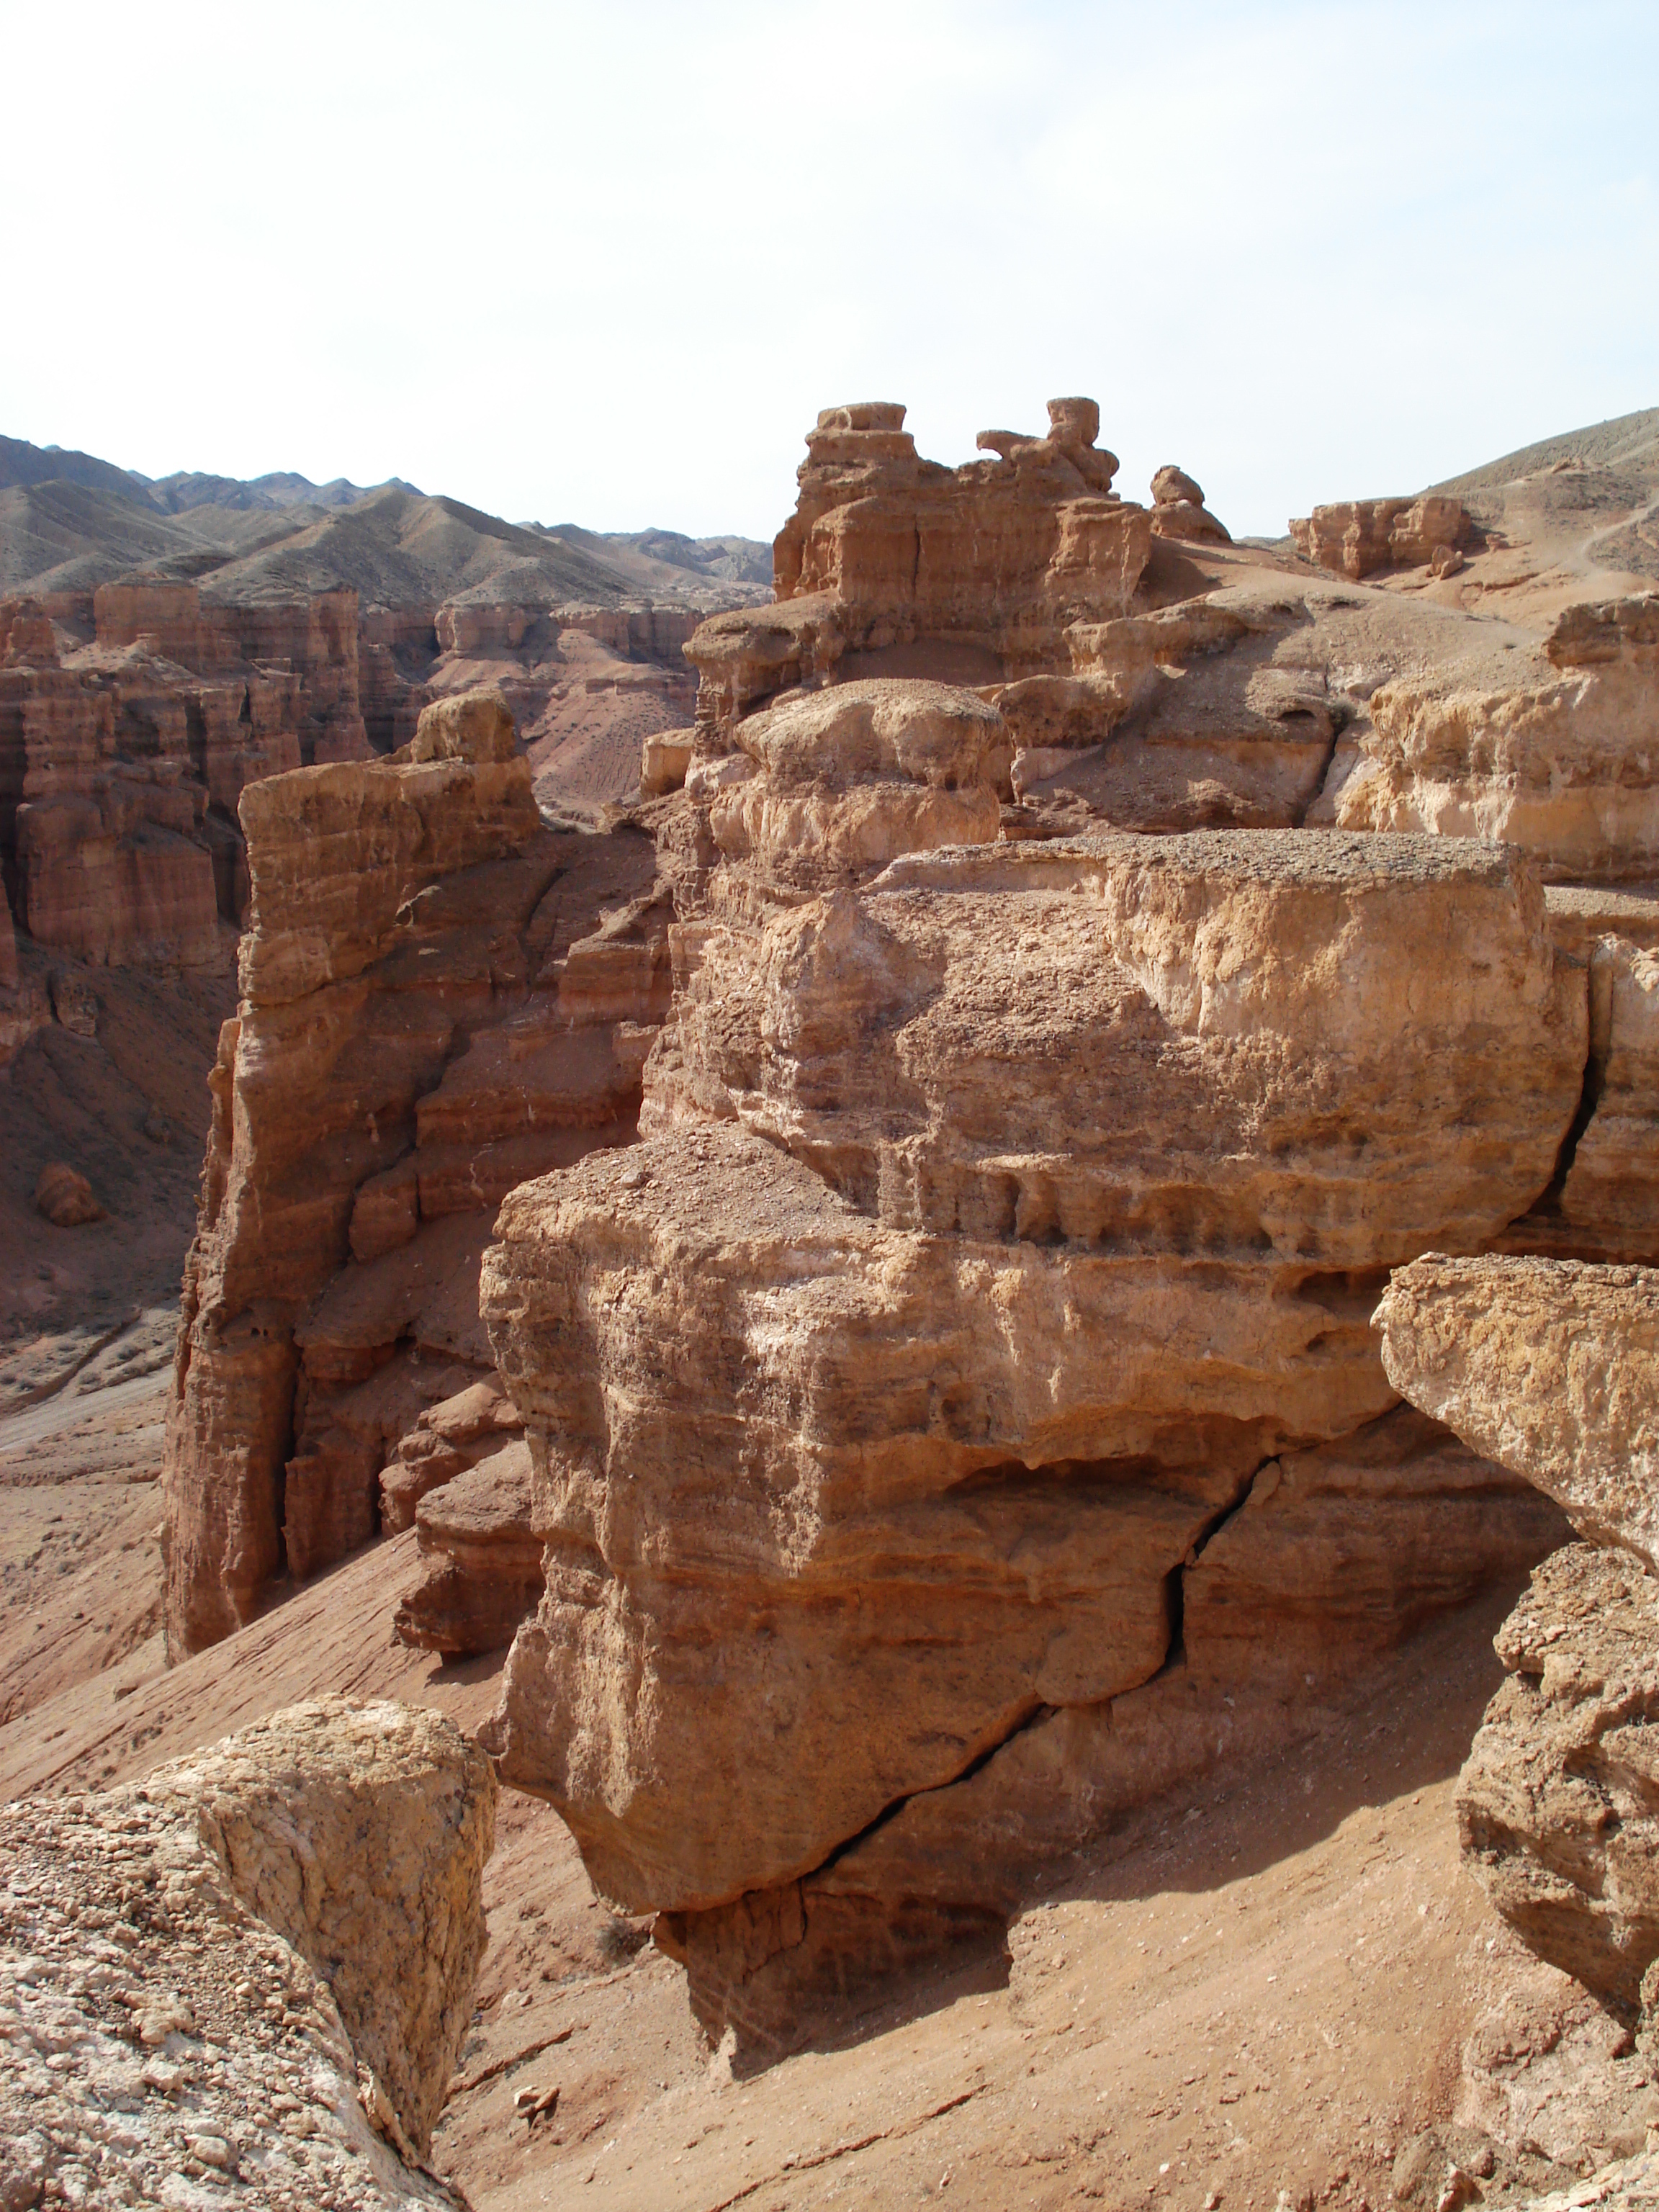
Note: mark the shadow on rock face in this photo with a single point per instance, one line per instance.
(830, 1961)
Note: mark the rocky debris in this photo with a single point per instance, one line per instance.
(993, 1229)
(1356, 537)
(481, 1558)
(75, 1003)
(1547, 2068)
(1628, 2184)
(255, 1967)
(1556, 1804)
(65, 1197)
(429, 1015)
(360, 1833)
(1559, 756)
(1178, 510)
(971, 573)
(1549, 1366)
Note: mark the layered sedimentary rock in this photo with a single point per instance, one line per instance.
(1557, 1803)
(1551, 1367)
(1224, 707)
(1359, 536)
(1005, 1218)
(968, 574)
(1218, 713)
(131, 721)
(448, 1438)
(429, 1015)
(481, 1557)
(256, 1967)
(1561, 756)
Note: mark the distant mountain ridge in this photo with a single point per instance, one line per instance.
(69, 521)
(22, 463)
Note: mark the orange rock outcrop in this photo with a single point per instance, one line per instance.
(1053, 1002)
(1006, 1218)
(971, 573)
(428, 1016)
(1359, 536)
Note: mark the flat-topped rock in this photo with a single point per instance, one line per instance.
(1549, 1366)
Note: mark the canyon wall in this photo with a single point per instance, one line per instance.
(440, 998)
(945, 1150)
(131, 721)
(132, 718)
(957, 1417)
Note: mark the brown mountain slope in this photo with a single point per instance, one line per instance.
(69, 522)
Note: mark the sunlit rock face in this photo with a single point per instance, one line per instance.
(1004, 1219)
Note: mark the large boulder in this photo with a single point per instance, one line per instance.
(1556, 1806)
(256, 1966)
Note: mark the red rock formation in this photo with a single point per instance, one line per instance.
(972, 572)
(427, 1018)
(1001, 1220)
(1359, 536)
(481, 1556)
(1558, 753)
(122, 757)
(1178, 510)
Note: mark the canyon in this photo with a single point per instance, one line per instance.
(834, 1265)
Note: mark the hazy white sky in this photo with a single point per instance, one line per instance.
(604, 262)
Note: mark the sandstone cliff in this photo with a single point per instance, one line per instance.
(429, 1014)
(956, 1418)
(1359, 536)
(1004, 1220)
(131, 719)
(1157, 678)
(1558, 755)
(971, 572)
(1554, 1368)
